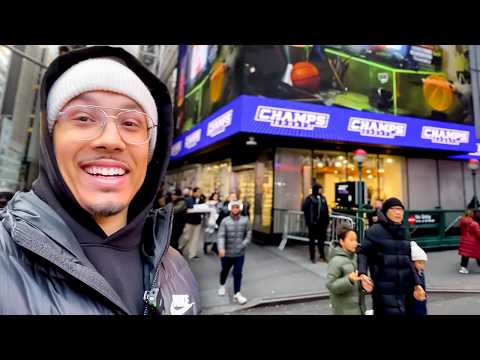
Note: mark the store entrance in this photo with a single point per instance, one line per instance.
(243, 183)
(381, 173)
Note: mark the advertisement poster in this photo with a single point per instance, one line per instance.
(430, 82)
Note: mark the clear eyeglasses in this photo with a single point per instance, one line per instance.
(87, 122)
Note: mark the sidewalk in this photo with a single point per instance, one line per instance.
(271, 275)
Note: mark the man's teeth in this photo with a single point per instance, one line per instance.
(93, 170)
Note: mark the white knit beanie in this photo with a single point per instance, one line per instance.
(417, 252)
(107, 74)
(233, 203)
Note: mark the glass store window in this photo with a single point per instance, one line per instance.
(215, 177)
(330, 167)
(381, 173)
(390, 179)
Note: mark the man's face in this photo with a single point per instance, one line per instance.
(378, 204)
(196, 194)
(232, 197)
(101, 195)
(395, 214)
(235, 210)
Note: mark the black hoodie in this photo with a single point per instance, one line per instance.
(117, 257)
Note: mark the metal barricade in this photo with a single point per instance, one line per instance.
(294, 227)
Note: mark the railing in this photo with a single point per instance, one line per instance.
(433, 228)
(294, 227)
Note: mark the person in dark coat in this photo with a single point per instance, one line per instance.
(179, 214)
(386, 252)
(315, 211)
(373, 217)
(85, 239)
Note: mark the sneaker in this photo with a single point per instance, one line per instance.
(240, 298)
(221, 290)
(463, 270)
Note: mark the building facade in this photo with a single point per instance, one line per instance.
(268, 121)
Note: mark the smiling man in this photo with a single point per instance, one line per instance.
(85, 240)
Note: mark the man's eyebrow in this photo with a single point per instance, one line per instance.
(128, 104)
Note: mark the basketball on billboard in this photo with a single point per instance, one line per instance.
(305, 76)
(438, 92)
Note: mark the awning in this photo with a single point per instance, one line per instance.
(259, 115)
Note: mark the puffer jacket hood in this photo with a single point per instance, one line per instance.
(49, 174)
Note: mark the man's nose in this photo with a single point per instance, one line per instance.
(110, 137)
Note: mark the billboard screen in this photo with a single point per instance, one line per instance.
(419, 81)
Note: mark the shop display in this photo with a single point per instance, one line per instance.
(246, 189)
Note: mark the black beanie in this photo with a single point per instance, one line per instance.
(391, 202)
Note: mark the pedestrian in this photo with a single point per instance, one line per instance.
(187, 192)
(85, 240)
(192, 236)
(211, 226)
(343, 282)
(420, 258)
(224, 211)
(179, 214)
(373, 216)
(316, 213)
(469, 246)
(386, 252)
(234, 235)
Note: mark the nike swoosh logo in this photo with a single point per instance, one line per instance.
(181, 311)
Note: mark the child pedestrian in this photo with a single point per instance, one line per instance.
(234, 235)
(419, 257)
(343, 282)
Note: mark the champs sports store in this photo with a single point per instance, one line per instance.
(271, 151)
(266, 121)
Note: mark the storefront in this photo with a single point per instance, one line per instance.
(298, 143)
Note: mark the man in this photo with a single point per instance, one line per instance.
(386, 251)
(373, 217)
(179, 213)
(224, 211)
(191, 238)
(316, 213)
(234, 235)
(85, 240)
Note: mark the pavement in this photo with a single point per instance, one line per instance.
(272, 276)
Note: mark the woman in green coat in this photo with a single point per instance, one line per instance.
(345, 287)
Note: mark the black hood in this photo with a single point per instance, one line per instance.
(50, 185)
(398, 231)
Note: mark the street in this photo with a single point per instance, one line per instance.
(438, 304)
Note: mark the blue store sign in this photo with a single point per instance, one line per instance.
(258, 115)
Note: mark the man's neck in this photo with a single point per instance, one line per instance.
(111, 224)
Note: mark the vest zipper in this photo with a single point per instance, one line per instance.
(153, 298)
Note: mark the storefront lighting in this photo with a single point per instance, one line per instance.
(338, 164)
(320, 164)
(370, 176)
(335, 172)
(359, 156)
(350, 178)
(389, 161)
(345, 161)
(340, 157)
(381, 171)
(369, 171)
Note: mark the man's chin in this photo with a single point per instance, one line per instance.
(105, 209)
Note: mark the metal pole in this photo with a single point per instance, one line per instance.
(474, 173)
(25, 56)
(360, 171)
